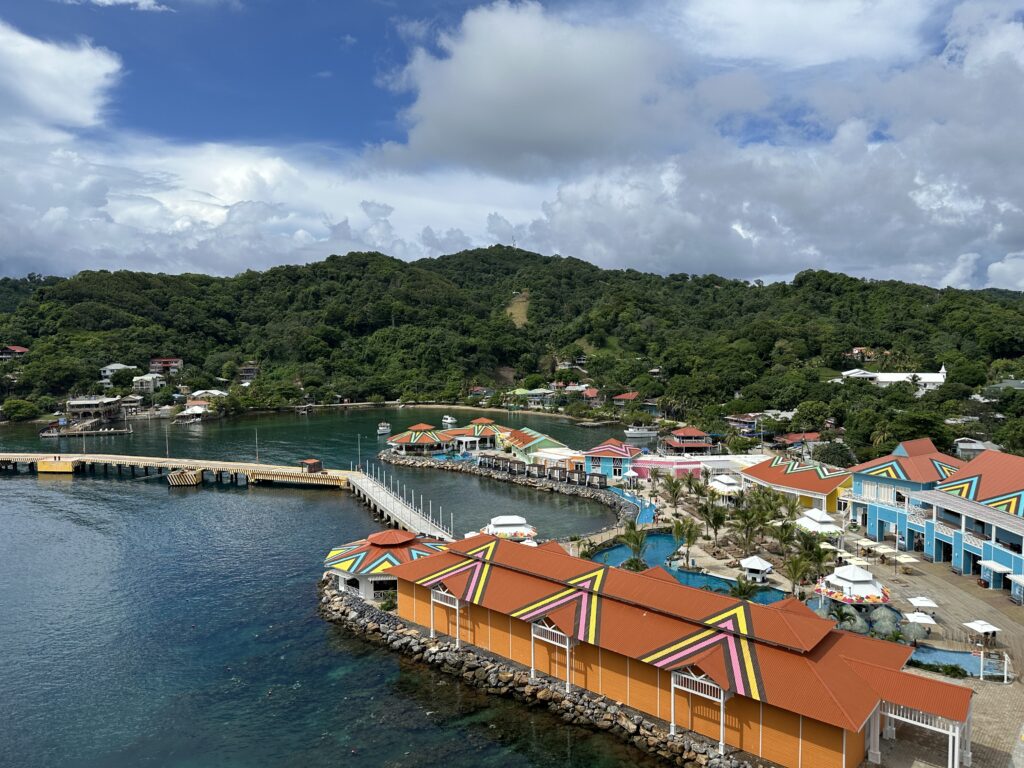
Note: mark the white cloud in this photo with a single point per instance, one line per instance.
(138, 5)
(516, 89)
(1008, 272)
(803, 33)
(47, 87)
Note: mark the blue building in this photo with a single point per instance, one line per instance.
(965, 514)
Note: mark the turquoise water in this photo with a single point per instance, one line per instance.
(659, 547)
(149, 626)
(966, 660)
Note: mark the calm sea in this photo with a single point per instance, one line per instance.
(141, 625)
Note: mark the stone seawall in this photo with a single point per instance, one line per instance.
(500, 677)
(623, 509)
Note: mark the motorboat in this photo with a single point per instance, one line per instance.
(511, 527)
(449, 421)
(384, 428)
(641, 431)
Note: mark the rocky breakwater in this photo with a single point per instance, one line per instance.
(503, 678)
(623, 509)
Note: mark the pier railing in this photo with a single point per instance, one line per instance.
(397, 503)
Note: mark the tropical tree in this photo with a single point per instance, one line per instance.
(784, 532)
(745, 525)
(717, 520)
(743, 589)
(685, 531)
(635, 541)
(672, 487)
(838, 613)
(795, 568)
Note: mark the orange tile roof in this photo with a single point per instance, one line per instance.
(381, 551)
(421, 427)
(615, 449)
(782, 654)
(627, 396)
(799, 437)
(785, 472)
(991, 478)
(689, 432)
(482, 420)
(918, 461)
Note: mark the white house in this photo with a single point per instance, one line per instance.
(107, 372)
(924, 382)
(147, 383)
(206, 394)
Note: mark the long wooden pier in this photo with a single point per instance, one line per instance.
(392, 508)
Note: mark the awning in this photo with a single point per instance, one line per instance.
(918, 618)
(995, 567)
(1016, 578)
(884, 549)
(828, 547)
(755, 563)
(857, 561)
(867, 544)
(923, 602)
(981, 627)
(906, 559)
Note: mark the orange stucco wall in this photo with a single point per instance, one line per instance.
(822, 745)
(757, 728)
(780, 736)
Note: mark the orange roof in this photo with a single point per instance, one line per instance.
(590, 392)
(615, 449)
(421, 427)
(417, 436)
(627, 396)
(916, 460)
(381, 551)
(799, 437)
(482, 420)
(689, 432)
(785, 472)
(992, 478)
(782, 654)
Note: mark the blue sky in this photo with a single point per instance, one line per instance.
(753, 138)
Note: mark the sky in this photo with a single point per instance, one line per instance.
(749, 138)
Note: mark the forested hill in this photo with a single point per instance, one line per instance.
(366, 324)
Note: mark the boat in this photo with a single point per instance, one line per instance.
(511, 527)
(641, 431)
(383, 428)
(449, 421)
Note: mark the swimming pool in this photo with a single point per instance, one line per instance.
(966, 660)
(659, 547)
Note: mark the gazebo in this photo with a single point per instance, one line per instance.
(420, 439)
(853, 585)
(817, 521)
(360, 567)
(757, 568)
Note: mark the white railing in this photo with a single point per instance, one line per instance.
(698, 685)
(444, 598)
(398, 508)
(552, 636)
(917, 717)
(974, 541)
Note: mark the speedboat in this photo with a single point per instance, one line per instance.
(641, 431)
(383, 428)
(449, 421)
(511, 527)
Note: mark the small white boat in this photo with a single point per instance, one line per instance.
(511, 527)
(449, 421)
(641, 431)
(383, 428)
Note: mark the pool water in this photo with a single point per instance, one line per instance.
(659, 547)
(966, 660)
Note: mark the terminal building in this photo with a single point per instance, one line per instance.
(967, 514)
(774, 681)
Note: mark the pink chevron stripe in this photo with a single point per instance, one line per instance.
(444, 576)
(581, 630)
(550, 606)
(737, 672)
(471, 587)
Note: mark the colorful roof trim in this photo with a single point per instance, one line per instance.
(917, 461)
(615, 449)
(993, 479)
(798, 475)
(381, 551)
(781, 654)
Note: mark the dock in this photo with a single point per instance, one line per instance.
(393, 508)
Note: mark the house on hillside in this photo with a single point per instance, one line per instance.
(625, 399)
(248, 371)
(612, 458)
(107, 372)
(689, 440)
(968, 448)
(93, 407)
(148, 383)
(12, 352)
(166, 366)
(925, 382)
(591, 396)
(745, 424)
(539, 397)
(800, 442)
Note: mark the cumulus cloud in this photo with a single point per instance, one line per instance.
(138, 5)
(628, 141)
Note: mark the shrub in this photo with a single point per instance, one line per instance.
(20, 410)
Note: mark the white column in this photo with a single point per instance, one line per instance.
(458, 624)
(432, 633)
(721, 725)
(874, 753)
(533, 674)
(568, 668)
(956, 747)
(672, 703)
(965, 742)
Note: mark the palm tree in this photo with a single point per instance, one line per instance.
(635, 541)
(881, 435)
(818, 559)
(795, 568)
(686, 530)
(783, 532)
(837, 612)
(655, 475)
(673, 490)
(744, 589)
(745, 526)
(717, 520)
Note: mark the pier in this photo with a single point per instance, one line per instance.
(393, 504)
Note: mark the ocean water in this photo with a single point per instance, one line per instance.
(142, 625)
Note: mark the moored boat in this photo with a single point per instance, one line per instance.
(511, 527)
(383, 428)
(449, 421)
(641, 431)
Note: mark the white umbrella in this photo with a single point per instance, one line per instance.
(918, 618)
(884, 549)
(981, 627)
(906, 559)
(828, 547)
(923, 602)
